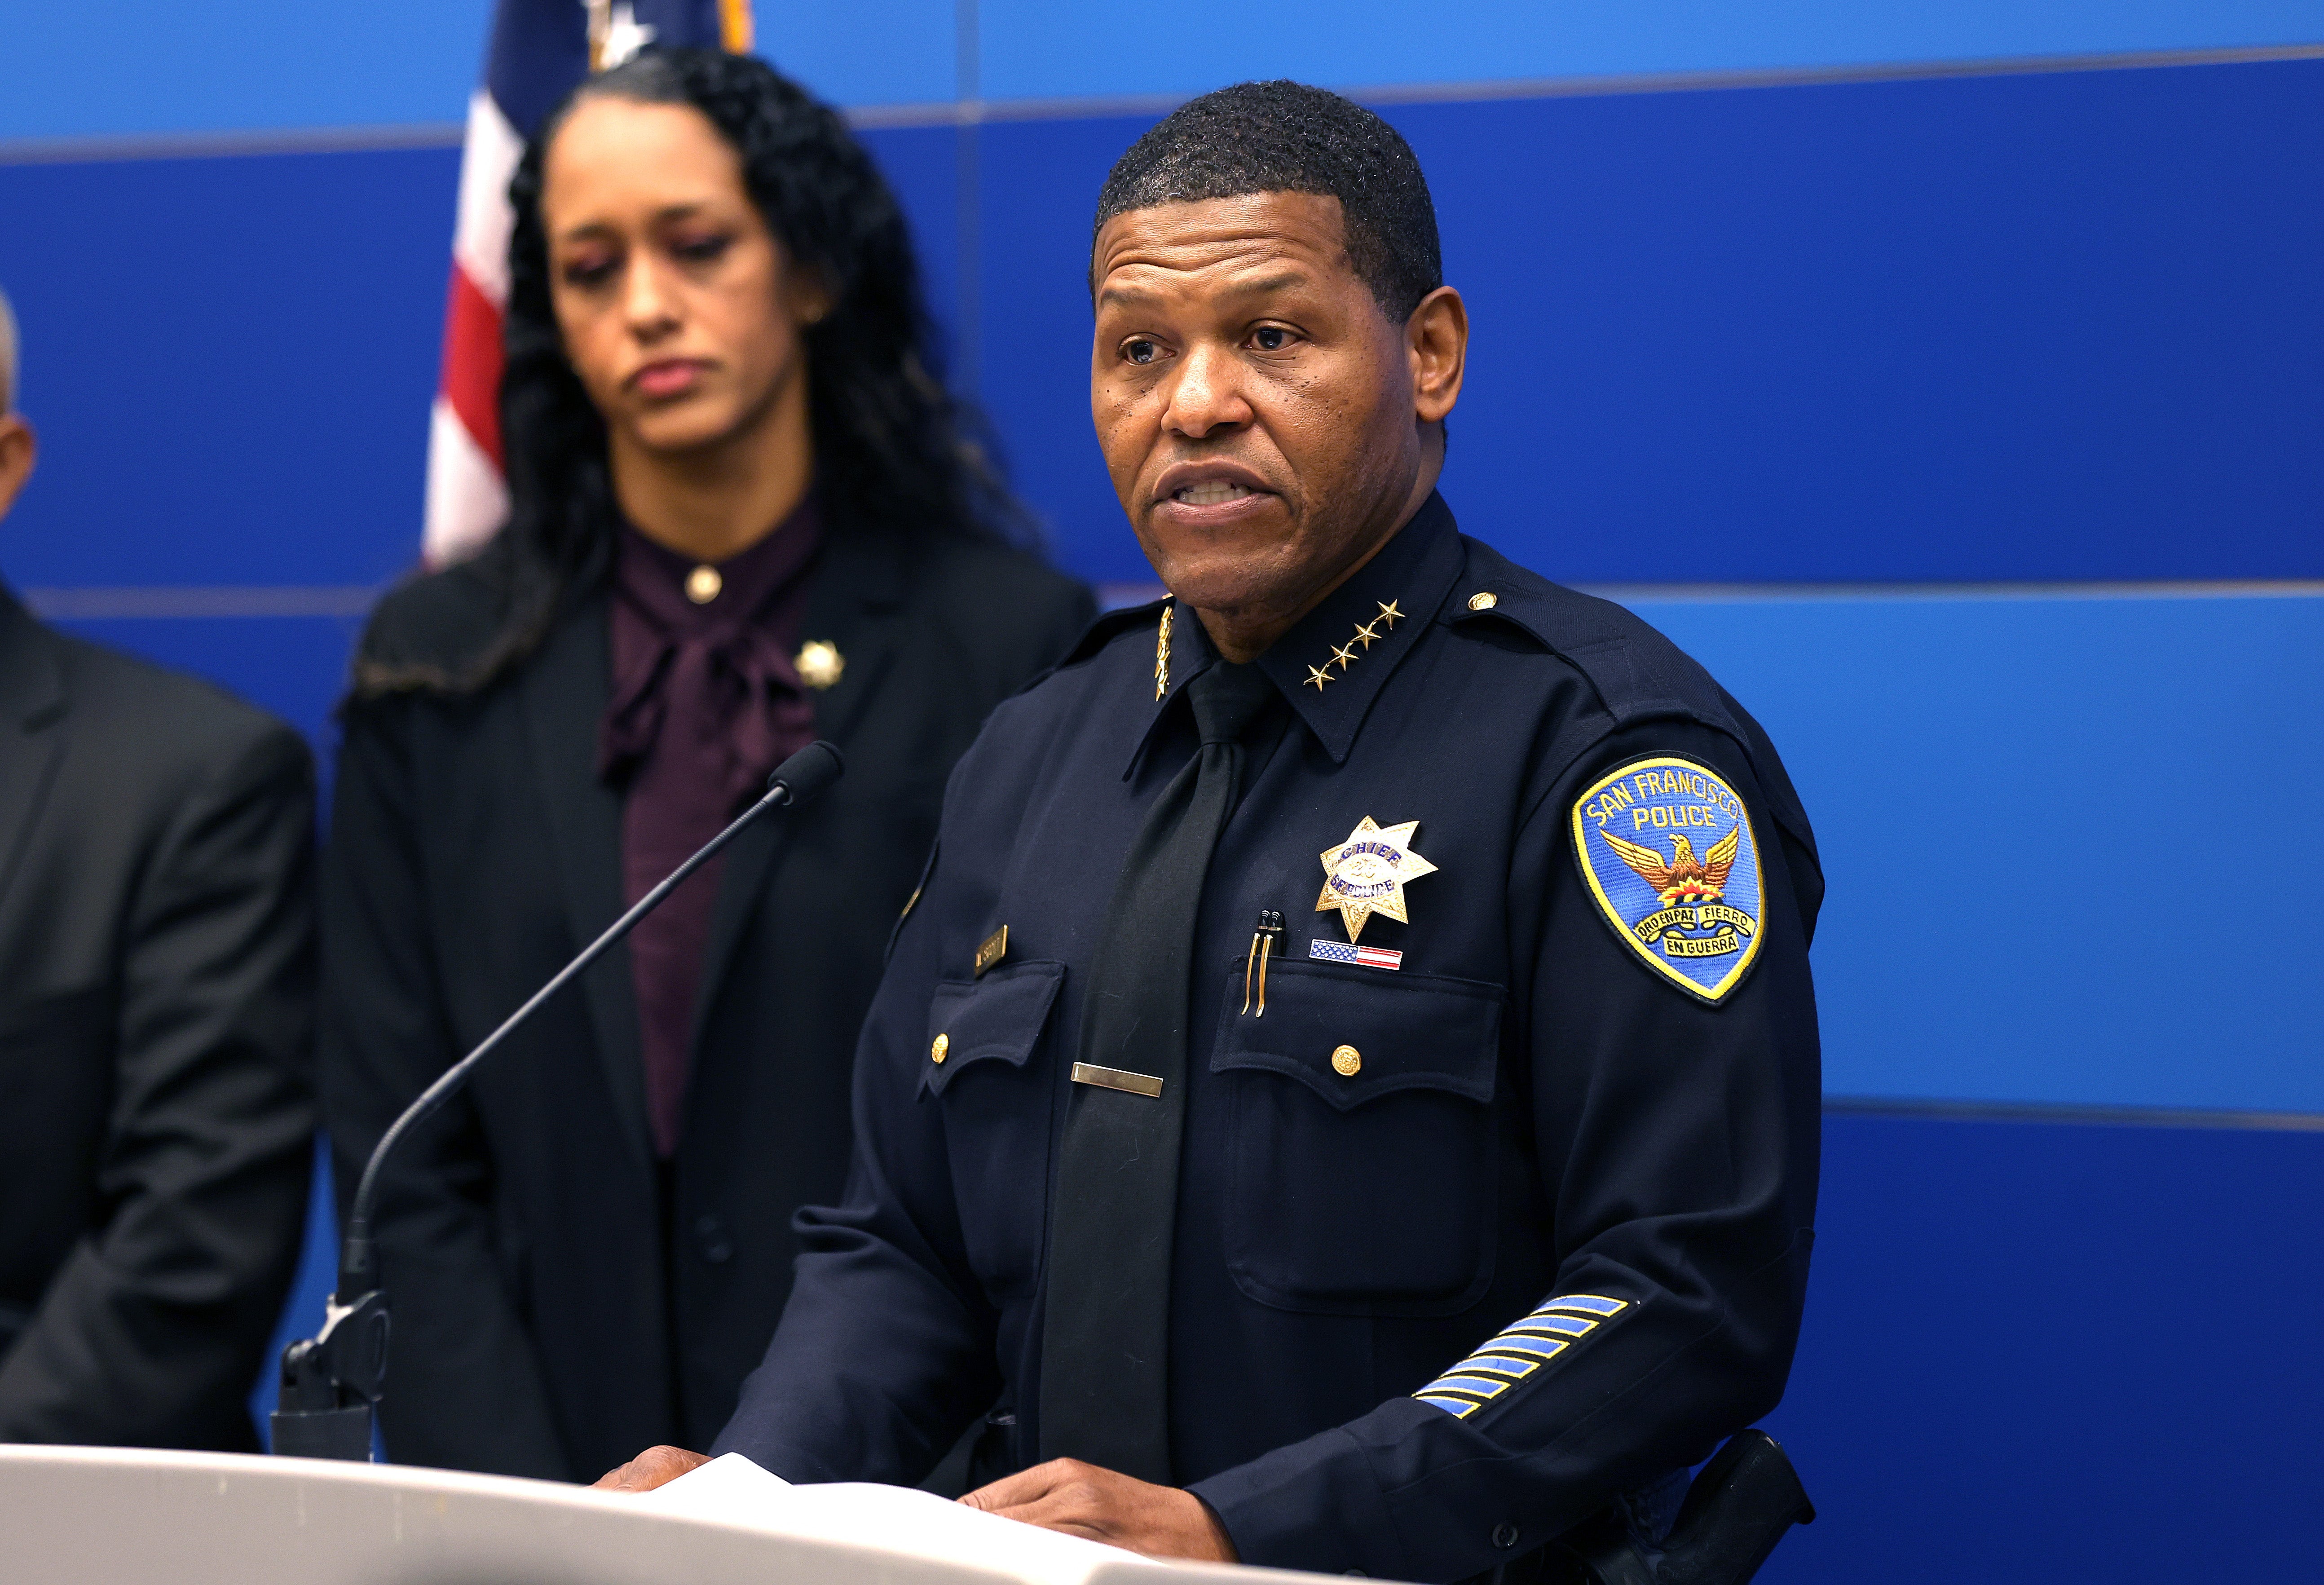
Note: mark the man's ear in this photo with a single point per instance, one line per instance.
(19, 449)
(1436, 341)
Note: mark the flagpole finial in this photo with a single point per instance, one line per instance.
(734, 26)
(600, 23)
(615, 33)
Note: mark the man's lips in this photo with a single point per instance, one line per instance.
(1209, 487)
(668, 377)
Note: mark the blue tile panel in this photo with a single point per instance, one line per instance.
(2050, 1432)
(229, 362)
(1038, 49)
(2053, 830)
(1523, 1347)
(161, 65)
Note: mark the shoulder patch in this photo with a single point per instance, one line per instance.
(1668, 853)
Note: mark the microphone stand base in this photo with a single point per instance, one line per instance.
(323, 1434)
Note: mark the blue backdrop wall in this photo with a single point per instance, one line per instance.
(1949, 380)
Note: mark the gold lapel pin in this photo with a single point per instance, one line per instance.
(819, 663)
(1162, 654)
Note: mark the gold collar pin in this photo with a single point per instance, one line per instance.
(1344, 656)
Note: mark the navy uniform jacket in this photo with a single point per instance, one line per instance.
(1561, 1196)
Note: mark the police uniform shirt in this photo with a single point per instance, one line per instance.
(1485, 1215)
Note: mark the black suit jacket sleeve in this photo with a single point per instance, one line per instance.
(385, 1038)
(147, 1334)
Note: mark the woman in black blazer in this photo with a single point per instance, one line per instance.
(743, 514)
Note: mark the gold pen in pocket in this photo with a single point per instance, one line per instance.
(1262, 942)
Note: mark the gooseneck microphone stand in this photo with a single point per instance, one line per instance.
(332, 1381)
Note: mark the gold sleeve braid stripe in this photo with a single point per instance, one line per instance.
(1522, 1348)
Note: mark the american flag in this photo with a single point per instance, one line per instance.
(540, 49)
(1340, 952)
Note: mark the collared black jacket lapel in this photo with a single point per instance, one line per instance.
(852, 604)
(31, 727)
(565, 690)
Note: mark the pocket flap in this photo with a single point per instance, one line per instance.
(1405, 1032)
(1000, 1017)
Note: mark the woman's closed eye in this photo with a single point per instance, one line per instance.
(590, 270)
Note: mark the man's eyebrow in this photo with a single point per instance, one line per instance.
(1281, 280)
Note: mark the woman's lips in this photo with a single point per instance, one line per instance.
(673, 378)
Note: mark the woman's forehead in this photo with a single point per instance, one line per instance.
(611, 143)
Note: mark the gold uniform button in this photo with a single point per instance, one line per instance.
(1483, 600)
(1347, 1062)
(942, 1044)
(703, 584)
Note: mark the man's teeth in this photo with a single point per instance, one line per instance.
(1210, 494)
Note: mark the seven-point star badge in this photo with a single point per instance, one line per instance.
(1366, 873)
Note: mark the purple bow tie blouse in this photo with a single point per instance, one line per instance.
(706, 703)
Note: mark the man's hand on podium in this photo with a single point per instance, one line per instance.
(656, 1466)
(1098, 1505)
(1063, 1495)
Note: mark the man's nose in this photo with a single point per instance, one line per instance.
(1207, 394)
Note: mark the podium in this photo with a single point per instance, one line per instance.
(130, 1516)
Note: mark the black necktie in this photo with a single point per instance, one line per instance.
(1105, 1333)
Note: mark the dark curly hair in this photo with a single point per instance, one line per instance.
(892, 445)
(1283, 137)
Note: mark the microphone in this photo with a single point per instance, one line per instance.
(332, 1381)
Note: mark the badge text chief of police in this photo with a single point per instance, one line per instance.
(1388, 1213)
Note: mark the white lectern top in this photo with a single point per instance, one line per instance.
(128, 1516)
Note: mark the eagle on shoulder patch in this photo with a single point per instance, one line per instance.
(1683, 878)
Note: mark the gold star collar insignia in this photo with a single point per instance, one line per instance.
(1365, 874)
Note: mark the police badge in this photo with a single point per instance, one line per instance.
(1366, 875)
(1668, 852)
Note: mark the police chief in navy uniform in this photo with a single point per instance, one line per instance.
(1347, 1090)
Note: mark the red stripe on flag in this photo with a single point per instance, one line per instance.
(471, 362)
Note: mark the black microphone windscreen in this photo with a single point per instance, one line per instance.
(809, 772)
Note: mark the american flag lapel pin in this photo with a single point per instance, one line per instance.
(1341, 952)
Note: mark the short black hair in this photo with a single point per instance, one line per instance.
(1282, 136)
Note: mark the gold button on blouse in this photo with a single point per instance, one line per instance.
(703, 584)
(1483, 600)
(1347, 1062)
(942, 1045)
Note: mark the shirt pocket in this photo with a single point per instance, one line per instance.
(1360, 1140)
(996, 1100)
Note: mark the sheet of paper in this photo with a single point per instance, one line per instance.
(732, 1490)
